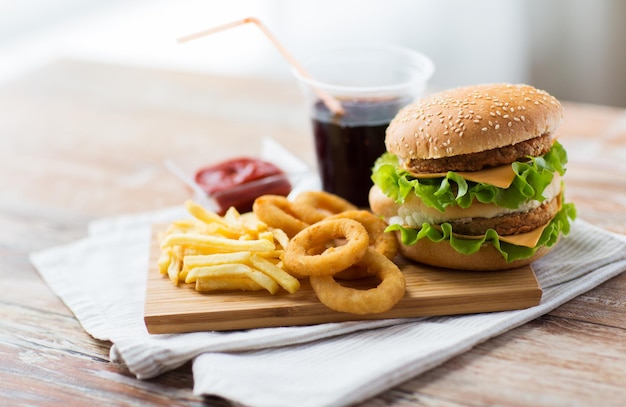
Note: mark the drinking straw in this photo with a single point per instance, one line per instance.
(330, 102)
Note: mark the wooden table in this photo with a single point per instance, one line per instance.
(80, 141)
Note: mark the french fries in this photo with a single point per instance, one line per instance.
(234, 272)
(231, 252)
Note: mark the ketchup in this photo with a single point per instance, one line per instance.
(239, 181)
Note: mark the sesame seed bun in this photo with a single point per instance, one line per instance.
(471, 120)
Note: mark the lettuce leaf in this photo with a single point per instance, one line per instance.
(531, 179)
(560, 224)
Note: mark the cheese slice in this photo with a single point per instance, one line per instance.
(501, 176)
(528, 239)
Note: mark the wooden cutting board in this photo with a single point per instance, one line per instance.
(430, 291)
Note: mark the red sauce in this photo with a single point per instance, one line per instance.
(239, 181)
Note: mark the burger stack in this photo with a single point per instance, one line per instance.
(472, 178)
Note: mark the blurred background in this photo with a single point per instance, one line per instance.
(572, 48)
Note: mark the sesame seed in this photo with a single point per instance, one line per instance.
(510, 124)
(484, 129)
(476, 121)
(506, 116)
(497, 126)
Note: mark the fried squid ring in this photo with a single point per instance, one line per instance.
(314, 206)
(384, 243)
(375, 300)
(313, 251)
(278, 212)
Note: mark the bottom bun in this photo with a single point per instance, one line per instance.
(443, 255)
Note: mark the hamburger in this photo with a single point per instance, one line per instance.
(472, 178)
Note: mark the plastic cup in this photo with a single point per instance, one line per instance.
(372, 82)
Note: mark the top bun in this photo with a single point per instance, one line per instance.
(472, 119)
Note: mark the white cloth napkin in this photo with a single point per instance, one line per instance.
(102, 277)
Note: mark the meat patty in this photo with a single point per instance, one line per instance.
(509, 224)
(535, 147)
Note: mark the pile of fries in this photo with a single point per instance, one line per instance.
(231, 252)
